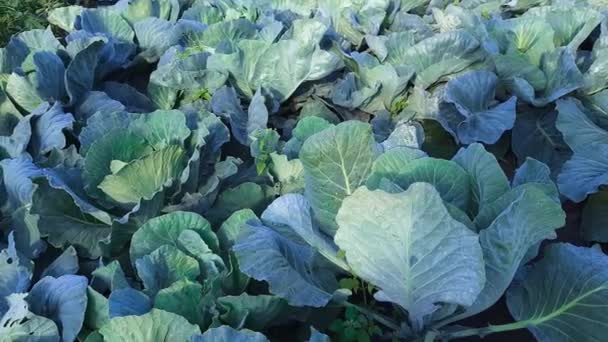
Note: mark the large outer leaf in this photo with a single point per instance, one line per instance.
(288, 266)
(128, 302)
(468, 111)
(64, 17)
(18, 324)
(535, 135)
(531, 218)
(17, 176)
(336, 162)
(442, 55)
(563, 297)
(587, 170)
(106, 21)
(157, 326)
(42, 80)
(14, 276)
(155, 36)
(488, 180)
(34, 41)
(19, 190)
(80, 73)
(70, 181)
(291, 216)
(62, 299)
(409, 246)
(48, 129)
(27, 235)
(66, 224)
(129, 96)
(143, 178)
(98, 101)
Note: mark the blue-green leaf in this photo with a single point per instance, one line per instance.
(128, 302)
(587, 170)
(288, 266)
(336, 162)
(469, 111)
(563, 296)
(409, 246)
(63, 300)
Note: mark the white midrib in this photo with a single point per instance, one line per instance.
(344, 174)
(560, 311)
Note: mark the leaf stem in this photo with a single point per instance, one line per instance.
(446, 321)
(364, 290)
(387, 322)
(491, 329)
